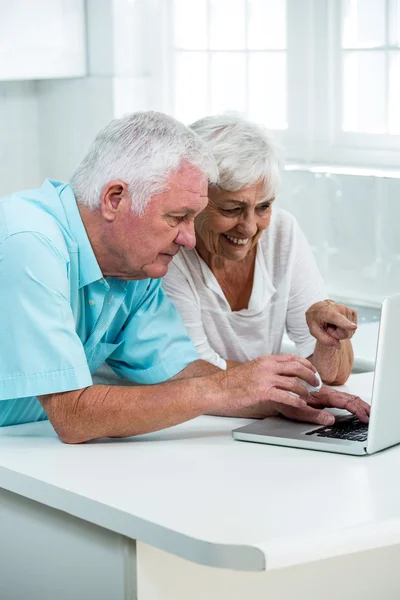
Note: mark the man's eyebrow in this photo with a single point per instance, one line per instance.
(184, 209)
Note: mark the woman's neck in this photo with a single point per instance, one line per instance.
(234, 277)
(218, 263)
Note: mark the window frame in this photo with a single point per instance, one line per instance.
(345, 147)
(314, 100)
(293, 137)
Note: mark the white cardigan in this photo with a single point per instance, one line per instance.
(286, 283)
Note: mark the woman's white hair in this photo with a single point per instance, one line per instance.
(244, 151)
(141, 149)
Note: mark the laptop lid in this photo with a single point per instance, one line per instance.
(384, 426)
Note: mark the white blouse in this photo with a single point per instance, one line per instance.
(286, 283)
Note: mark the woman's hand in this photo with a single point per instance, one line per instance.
(330, 322)
(326, 398)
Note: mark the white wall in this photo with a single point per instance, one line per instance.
(71, 111)
(46, 126)
(351, 222)
(19, 149)
(124, 62)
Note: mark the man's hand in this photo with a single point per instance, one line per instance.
(265, 379)
(330, 322)
(326, 398)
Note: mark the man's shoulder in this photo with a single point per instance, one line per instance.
(26, 213)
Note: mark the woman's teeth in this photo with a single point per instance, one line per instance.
(237, 240)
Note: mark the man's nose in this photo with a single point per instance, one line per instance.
(186, 237)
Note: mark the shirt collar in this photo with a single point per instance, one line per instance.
(89, 269)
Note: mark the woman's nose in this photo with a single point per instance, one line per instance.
(248, 225)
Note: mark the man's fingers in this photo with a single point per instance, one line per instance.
(308, 414)
(359, 412)
(296, 369)
(356, 407)
(287, 398)
(329, 397)
(292, 384)
(336, 399)
(294, 358)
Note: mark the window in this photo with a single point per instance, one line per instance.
(365, 102)
(324, 75)
(370, 66)
(225, 55)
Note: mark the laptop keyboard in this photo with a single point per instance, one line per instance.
(349, 429)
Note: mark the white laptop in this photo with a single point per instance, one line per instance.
(348, 435)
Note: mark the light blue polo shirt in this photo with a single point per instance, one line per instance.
(60, 319)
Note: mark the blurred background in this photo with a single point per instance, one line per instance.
(322, 75)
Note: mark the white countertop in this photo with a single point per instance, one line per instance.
(364, 345)
(195, 492)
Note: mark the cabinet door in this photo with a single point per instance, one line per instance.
(42, 39)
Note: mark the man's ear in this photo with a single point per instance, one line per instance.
(114, 199)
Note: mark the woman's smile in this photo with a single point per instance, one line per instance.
(234, 241)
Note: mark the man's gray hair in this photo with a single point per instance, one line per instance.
(244, 151)
(141, 149)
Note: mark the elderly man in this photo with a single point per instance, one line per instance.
(80, 269)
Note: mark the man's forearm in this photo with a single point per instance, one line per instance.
(101, 411)
(259, 411)
(252, 412)
(334, 366)
(118, 411)
(198, 368)
(201, 367)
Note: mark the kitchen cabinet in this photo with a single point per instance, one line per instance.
(42, 39)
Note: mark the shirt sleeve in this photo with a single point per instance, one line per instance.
(182, 294)
(153, 345)
(307, 287)
(40, 352)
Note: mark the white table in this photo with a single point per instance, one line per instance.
(189, 513)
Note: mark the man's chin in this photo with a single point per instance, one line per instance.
(156, 271)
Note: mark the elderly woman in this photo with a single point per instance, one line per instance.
(252, 273)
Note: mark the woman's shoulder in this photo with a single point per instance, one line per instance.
(283, 219)
(281, 230)
(185, 264)
(185, 277)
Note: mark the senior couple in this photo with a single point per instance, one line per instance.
(81, 266)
